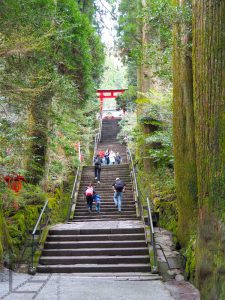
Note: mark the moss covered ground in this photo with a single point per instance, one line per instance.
(19, 214)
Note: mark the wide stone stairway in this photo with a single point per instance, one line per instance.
(109, 242)
(108, 210)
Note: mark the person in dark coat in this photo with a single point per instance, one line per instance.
(97, 167)
(119, 188)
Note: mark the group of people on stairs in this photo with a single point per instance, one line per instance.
(105, 158)
(109, 157)
(91, 195)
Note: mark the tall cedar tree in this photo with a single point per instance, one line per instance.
(209, 105)
(183, 126)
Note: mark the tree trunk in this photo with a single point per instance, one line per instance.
(39, 123)
(209, 103)
(183, 128)
(144, 80)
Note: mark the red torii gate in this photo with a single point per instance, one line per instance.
(106, 94)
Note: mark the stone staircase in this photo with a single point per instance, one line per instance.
(108, 210)
(109, 242)
(110, 129)
(95, 250)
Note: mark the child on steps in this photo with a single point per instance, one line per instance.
(97, 200)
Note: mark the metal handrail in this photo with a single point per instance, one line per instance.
(34, 247)
(141, 209)
(40, 217)
(133, 171)
(152, 234)
(100, 129)
(76, 180)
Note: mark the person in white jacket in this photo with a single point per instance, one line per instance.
(112, 157)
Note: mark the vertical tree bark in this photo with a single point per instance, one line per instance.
(39, 123)
(183, 127)
(144, 79)
(209, 103)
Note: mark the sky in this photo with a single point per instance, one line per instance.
(108, 33)
(115, 75)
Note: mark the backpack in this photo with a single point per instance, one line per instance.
(89, 191)
(119, 185)
(98, 161)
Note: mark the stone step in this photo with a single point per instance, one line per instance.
(107, 169)
(109, 202)
(94, 215)
(140, 276)
(85, 210)
(106, 200)
(113, 168)
(105, 182)
(95, 252)
(104, 219)
(94, 244)
(106, 178)
(104, 209)
(99, 216)
(99, 219)
(88, 231)
(106, 213)
(109, 174)
(106, 192)
(116, 147)
(72, 260)
(97, 237)
(106, 189)
(105, 206)
(93, 268)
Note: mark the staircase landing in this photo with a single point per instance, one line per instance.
(104, 225)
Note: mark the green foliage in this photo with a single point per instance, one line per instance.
(19, 219)
(189, 253)
(127, 127)
(51, 60)
(159, 16)
(29, 195)
(5, 240)
(161, 147)
(115, 73)
(126, 101)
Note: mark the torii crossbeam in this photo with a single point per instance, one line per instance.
(108, 94)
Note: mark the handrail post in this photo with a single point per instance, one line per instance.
(32, 269)
(73, 193)
(152, 233)
(98, 135)
(32, 253)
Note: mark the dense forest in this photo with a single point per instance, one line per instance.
(52, 62)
